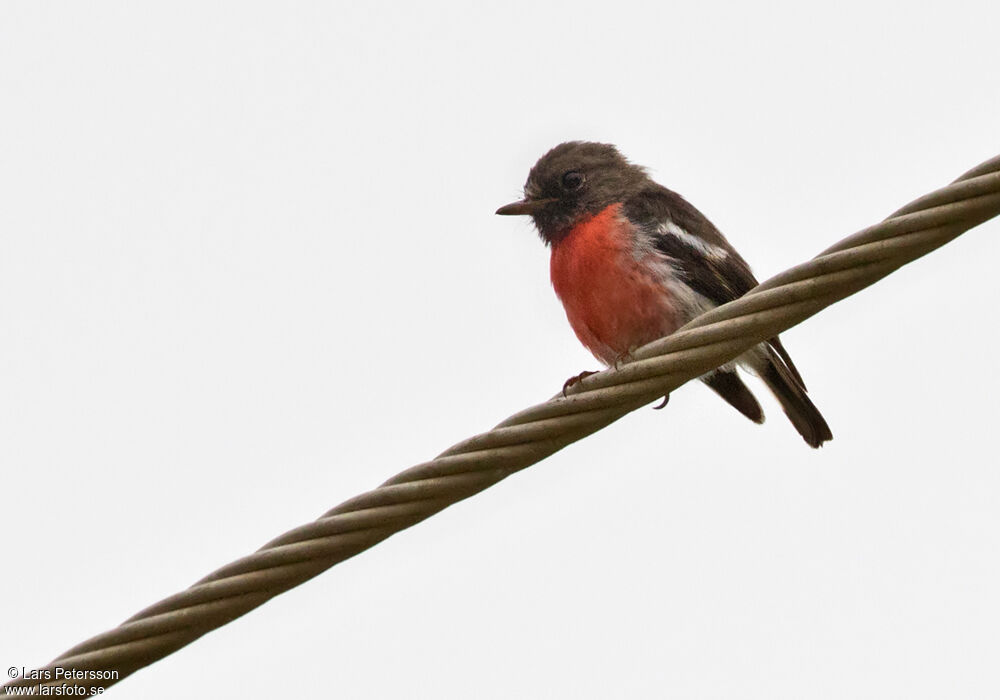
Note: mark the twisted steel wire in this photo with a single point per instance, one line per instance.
(527, 437)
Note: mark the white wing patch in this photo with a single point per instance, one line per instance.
(712, 252)
(688, 301)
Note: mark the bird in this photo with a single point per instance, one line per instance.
(632, 261)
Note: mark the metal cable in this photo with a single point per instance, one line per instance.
(470, 466)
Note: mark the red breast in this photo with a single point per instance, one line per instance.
(613, 291)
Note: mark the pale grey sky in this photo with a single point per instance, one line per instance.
(249, 268)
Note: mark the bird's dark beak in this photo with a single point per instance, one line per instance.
(525, 206)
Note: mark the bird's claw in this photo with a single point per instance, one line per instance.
(575, 380)
(666, 400)
(622, 359)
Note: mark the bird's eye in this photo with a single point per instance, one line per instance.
(572, 180)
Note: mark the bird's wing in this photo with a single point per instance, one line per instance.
(695, 247)
(697, 250)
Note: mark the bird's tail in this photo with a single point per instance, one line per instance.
(785, 383)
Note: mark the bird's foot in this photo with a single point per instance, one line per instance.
(666, 400)
(575, 380)
(622, 359)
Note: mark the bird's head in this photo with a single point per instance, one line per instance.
(574, 181)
